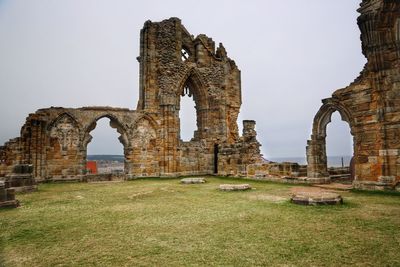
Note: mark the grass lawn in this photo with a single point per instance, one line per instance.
(163, 223)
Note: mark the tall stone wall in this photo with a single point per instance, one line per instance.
(371, 104)
(172, 63)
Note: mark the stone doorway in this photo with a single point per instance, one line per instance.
(216, 158)
(339, 149)
(317, 159)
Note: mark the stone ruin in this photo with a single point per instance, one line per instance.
(174, 63)
(234, 187)
(7, 197)
(370, 105)
(21, 180)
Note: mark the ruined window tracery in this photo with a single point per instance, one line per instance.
(187, 114)
(186, 91)
(66, 132)
(184, 54)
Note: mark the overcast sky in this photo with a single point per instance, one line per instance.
(75, 53)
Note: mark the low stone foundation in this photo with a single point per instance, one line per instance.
(377, 186)
(316, 198)
(7, 196)
(21, 180)
(234, 187)
(196, 180)
(291, 180)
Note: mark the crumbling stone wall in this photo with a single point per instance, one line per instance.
(54, 141)
(172, 63)
(371, 104)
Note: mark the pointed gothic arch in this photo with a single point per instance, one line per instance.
(114, 123)
(194, 85)
(317, 162)
(60, 117)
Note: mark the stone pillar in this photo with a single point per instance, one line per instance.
(169, 134)
(316, 158)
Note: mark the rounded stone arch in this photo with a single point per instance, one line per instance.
(317, 162)
(193, 84)
(114, 123)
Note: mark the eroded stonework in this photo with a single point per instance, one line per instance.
(371, 104)
(172, 63)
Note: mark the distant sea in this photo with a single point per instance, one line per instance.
(119, 158)
(333, 161)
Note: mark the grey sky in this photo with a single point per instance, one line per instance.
(78, 53)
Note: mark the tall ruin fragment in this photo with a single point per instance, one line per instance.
(371, 104)
(172, 63)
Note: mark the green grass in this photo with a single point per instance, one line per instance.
(163, 223)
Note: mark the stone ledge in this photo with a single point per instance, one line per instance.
(316, 198)
(25, 189)
(9, 204)
(199, 180)
(292, 180)
(376, 186)
(234, 187)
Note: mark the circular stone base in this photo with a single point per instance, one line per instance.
(234, 187)
(316, 198)
(193, 181)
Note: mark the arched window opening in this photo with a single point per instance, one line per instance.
(184, 54)
(187, 115)
(339, 144)
(105, 153)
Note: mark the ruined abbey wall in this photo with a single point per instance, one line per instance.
(371, 104)
(172, 63)
(55, 140)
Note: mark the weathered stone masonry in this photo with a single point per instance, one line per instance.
(172, 63)
(371, 104)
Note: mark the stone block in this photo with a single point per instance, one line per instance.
(197, 180)
(316, 198)
(234, 187)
